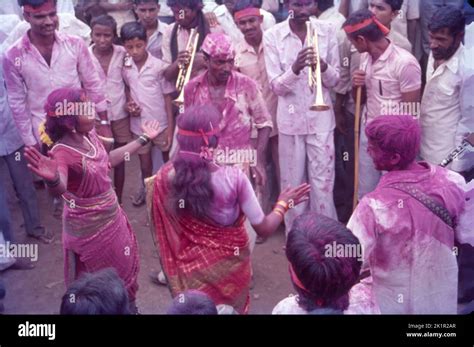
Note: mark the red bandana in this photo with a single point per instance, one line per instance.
(349, 29)
(251, 11)
(47, 6)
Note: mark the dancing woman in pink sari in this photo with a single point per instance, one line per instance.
(96, 231)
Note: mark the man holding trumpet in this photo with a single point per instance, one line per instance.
(305, 116)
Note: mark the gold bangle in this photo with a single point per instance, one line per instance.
(278, 212)
(283, 204)
(280, 209)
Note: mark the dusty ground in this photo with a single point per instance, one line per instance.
(39, 291)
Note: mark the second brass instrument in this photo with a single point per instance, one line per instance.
(314, 73)
(185, 71)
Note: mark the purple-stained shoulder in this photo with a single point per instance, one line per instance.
(244, 82)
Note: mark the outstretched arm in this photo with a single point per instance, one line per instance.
(151, 129)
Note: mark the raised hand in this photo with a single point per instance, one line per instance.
(183, 59)
(151, 128)
(297, 195)
(305, 57)
(43, 166)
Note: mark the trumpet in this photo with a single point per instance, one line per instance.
(314, 73)
(185, 70)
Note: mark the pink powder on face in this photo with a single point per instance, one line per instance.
(393, 134)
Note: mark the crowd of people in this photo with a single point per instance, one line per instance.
(328, 119)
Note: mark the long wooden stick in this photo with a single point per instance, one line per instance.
(356, 146)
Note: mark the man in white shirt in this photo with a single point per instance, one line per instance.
(446, 107)
(386, 12)
(306, 138)
(225, 17)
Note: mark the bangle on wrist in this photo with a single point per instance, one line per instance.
(283, 204)
(143, 139)
(279, 208)
(279, 213)
(55, 182)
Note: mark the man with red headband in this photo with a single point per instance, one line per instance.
(386, 11)
(390, 78)
(225, 16)
(42, 61)
(305, 137)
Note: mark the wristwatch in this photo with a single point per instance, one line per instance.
(104, 122)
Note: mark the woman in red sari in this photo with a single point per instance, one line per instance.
(96, 232)
(198, 211)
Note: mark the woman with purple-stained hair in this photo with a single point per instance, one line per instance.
(96, 231)
(198, 211)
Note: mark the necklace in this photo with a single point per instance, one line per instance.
(84, 154)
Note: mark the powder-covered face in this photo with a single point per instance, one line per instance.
(43, 22)
(383, 161)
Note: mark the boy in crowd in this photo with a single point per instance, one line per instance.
(108, 59)
(149, 99)
(147, 13)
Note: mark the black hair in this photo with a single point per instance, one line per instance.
(133, 30)
(192, 4)
(448, 17)
(93, 11)
(192, 181)
(138, 2)
(243, 4)
(101, 292)
(396, 5)
(323, 5)
(193, 302)
(33, 3)
(105, 20)
(202, 26)
(371, 32)
(327, 277)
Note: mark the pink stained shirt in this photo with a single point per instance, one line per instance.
(148, 87)
(30, 79)
(243, 107)
(233, 194)
(408, 249)
(252, 64)
(281, 47)
(395, 72)
(114, 84)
